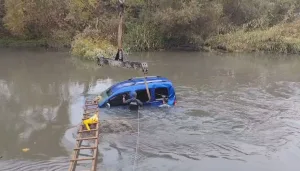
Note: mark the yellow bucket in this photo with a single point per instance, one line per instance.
(91, 120)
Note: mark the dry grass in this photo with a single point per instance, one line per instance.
(283, 38)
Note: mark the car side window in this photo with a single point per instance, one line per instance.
(142, 95)
(117, 100)
(160, 93)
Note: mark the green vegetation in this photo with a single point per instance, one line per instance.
(90, 27)
(15, 42)
(90, 44)
(284, 38)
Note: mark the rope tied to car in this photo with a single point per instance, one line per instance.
(145, 71)
(137, 143)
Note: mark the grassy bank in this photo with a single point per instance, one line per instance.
(15, 42)
(31, 43)
(282, 38)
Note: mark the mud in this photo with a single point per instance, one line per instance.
(115, 126)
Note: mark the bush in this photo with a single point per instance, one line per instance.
(283, 38)
(190, 23)
(143, 37)
(89, 45)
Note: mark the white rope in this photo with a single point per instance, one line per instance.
(137, 142)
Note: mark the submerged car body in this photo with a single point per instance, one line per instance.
(159, 87)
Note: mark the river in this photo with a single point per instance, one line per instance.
(234, 112)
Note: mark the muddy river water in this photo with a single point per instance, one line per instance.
(235, 112)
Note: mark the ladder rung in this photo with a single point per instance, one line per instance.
(88, 118)
(90, 124)
(82, 148)
(88, 138)
(87, 130)
(87, 108)
(89, 99)
(89, 112)
(90, 106)
(91, 109)
(88, 115)
(93, 104)
(90, 102)
(81, 159)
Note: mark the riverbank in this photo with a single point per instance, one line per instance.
(281, 38)
(15, 42)
(229, 26)
(31, 43)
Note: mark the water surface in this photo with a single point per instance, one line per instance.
(234, 112)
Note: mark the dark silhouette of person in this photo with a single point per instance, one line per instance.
(133, 102)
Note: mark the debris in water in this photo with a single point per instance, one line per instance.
(115, 126)
(110, 127)
(25, 149)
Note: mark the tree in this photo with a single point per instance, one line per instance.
(35, 18)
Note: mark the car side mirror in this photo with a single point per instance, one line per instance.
(107, 105)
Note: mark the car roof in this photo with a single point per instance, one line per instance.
(138, 81)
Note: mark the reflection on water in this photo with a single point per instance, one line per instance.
(234, 112)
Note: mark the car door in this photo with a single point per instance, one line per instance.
(159, 93)
(117, 100)
(142, 95)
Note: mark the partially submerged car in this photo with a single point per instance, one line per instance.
(160, 88)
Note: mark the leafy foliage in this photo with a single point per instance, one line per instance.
(151, 24)
(90, 44)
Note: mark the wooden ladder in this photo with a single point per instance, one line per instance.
(89, 109)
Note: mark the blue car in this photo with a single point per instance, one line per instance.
(159, 88)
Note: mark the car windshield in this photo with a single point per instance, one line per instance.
(105, 94)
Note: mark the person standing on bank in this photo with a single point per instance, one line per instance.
(133, 102)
